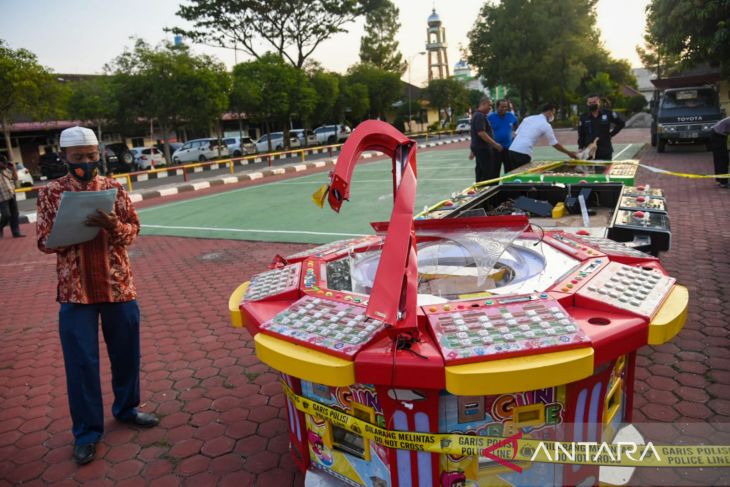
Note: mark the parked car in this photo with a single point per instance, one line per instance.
(173, 147)
(199, 150)
(332, 134)
(24, 177)
(118, 158)
(463, 125)
(311, 137)
(51, 165)
(238, 146)
(147, 157)
(277, 142)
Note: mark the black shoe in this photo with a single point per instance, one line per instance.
(20, 235)
(722, 185)
(144, 420)
(84, 454)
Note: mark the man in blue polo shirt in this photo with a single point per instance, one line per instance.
(504, 123)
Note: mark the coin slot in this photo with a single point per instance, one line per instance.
(599, 321)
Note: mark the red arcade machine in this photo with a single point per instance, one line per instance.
(477, 326)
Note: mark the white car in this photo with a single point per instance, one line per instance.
(463, 125)
(24, 177)
(147, 157)
(239, 146)
(277, 142)
(199, 150)
(332, 134)
(311, 137)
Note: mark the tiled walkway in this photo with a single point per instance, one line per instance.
(222, 416)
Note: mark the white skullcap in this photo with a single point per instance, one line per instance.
(78, 136)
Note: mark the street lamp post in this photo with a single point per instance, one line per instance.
(410, 61)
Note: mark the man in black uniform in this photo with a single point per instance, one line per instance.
(483, 143)
(597, 123)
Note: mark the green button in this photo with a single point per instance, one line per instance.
(488, 301)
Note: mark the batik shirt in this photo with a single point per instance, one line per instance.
(96, 271)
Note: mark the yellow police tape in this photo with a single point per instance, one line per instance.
(517, 449)
(654, 169)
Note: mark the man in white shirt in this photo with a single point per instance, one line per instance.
(530, 130)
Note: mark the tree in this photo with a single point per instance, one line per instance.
(94, 100)
(448, 96)
(473, 96)
(292, 28)
(353, 103)
(692, 31)
(656, 58)
(171, 85)
(542, 66)
(26, 88)
(378, 46)
(270, 90)
(384, 87)
(327, 87)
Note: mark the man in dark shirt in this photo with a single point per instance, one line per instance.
(597, 124)
(483, 143)
(720, 157)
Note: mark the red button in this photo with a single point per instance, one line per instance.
(448, 203)
(471, 192)
(640, 199)
(638, 215)
(574, 281)
(583, 232)
(641, 188)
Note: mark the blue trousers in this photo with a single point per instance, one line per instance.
(79, 331)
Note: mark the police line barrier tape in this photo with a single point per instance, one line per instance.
(518, 449)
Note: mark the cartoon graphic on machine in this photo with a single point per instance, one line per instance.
(479, 326)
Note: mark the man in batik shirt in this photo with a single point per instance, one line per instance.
(95, 280)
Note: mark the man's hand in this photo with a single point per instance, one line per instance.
(107, 221)
(471, 155)
(498, 147)
(573, 155)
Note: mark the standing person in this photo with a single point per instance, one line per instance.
(718, 141)
(8, 204)
(482, 143)
(95, 280)
(504, 123)
(596, 123)
(531, 129)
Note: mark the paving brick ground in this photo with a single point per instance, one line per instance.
(222, 417)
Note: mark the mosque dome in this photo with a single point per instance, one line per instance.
(434, 20)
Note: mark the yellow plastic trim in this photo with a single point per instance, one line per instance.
(671, 317)
(528, 415)
(519, 373)
(610, 410)
(303, 362)
(233, 305)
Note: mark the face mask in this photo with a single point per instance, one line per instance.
(593, 107)
(85, 171)
(551, 118)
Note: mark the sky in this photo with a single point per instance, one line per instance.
(81, 36)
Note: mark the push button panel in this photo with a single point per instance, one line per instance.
(611, 247)
(273, 283)
(640, 219)
(572, 245)
(646, 191)
(505, 326)
(333, 326)
(643, 203)
(623, 169)
(577, 279)
(630, 288)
